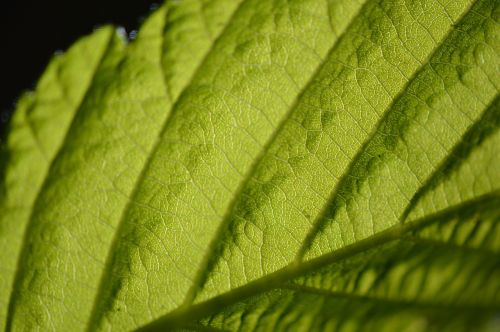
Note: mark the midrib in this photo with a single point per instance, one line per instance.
(182, 316)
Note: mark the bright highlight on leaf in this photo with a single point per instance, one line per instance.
(261, 166)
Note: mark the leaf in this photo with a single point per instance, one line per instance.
(261, 165)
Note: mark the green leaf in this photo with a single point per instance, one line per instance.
(261, 165)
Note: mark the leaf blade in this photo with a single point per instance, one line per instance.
(271, 165)
(30, 150)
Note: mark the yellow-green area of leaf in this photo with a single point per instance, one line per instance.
(248, 165)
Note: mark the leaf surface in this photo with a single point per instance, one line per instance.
(261, 165)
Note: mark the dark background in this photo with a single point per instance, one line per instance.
(32, 30)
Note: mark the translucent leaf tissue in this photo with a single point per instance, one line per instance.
(249, 165)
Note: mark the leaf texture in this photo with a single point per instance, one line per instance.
(261, 165)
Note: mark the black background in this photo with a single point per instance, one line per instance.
(32, 30)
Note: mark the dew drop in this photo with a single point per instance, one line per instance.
(122, 32)
(132, 35)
